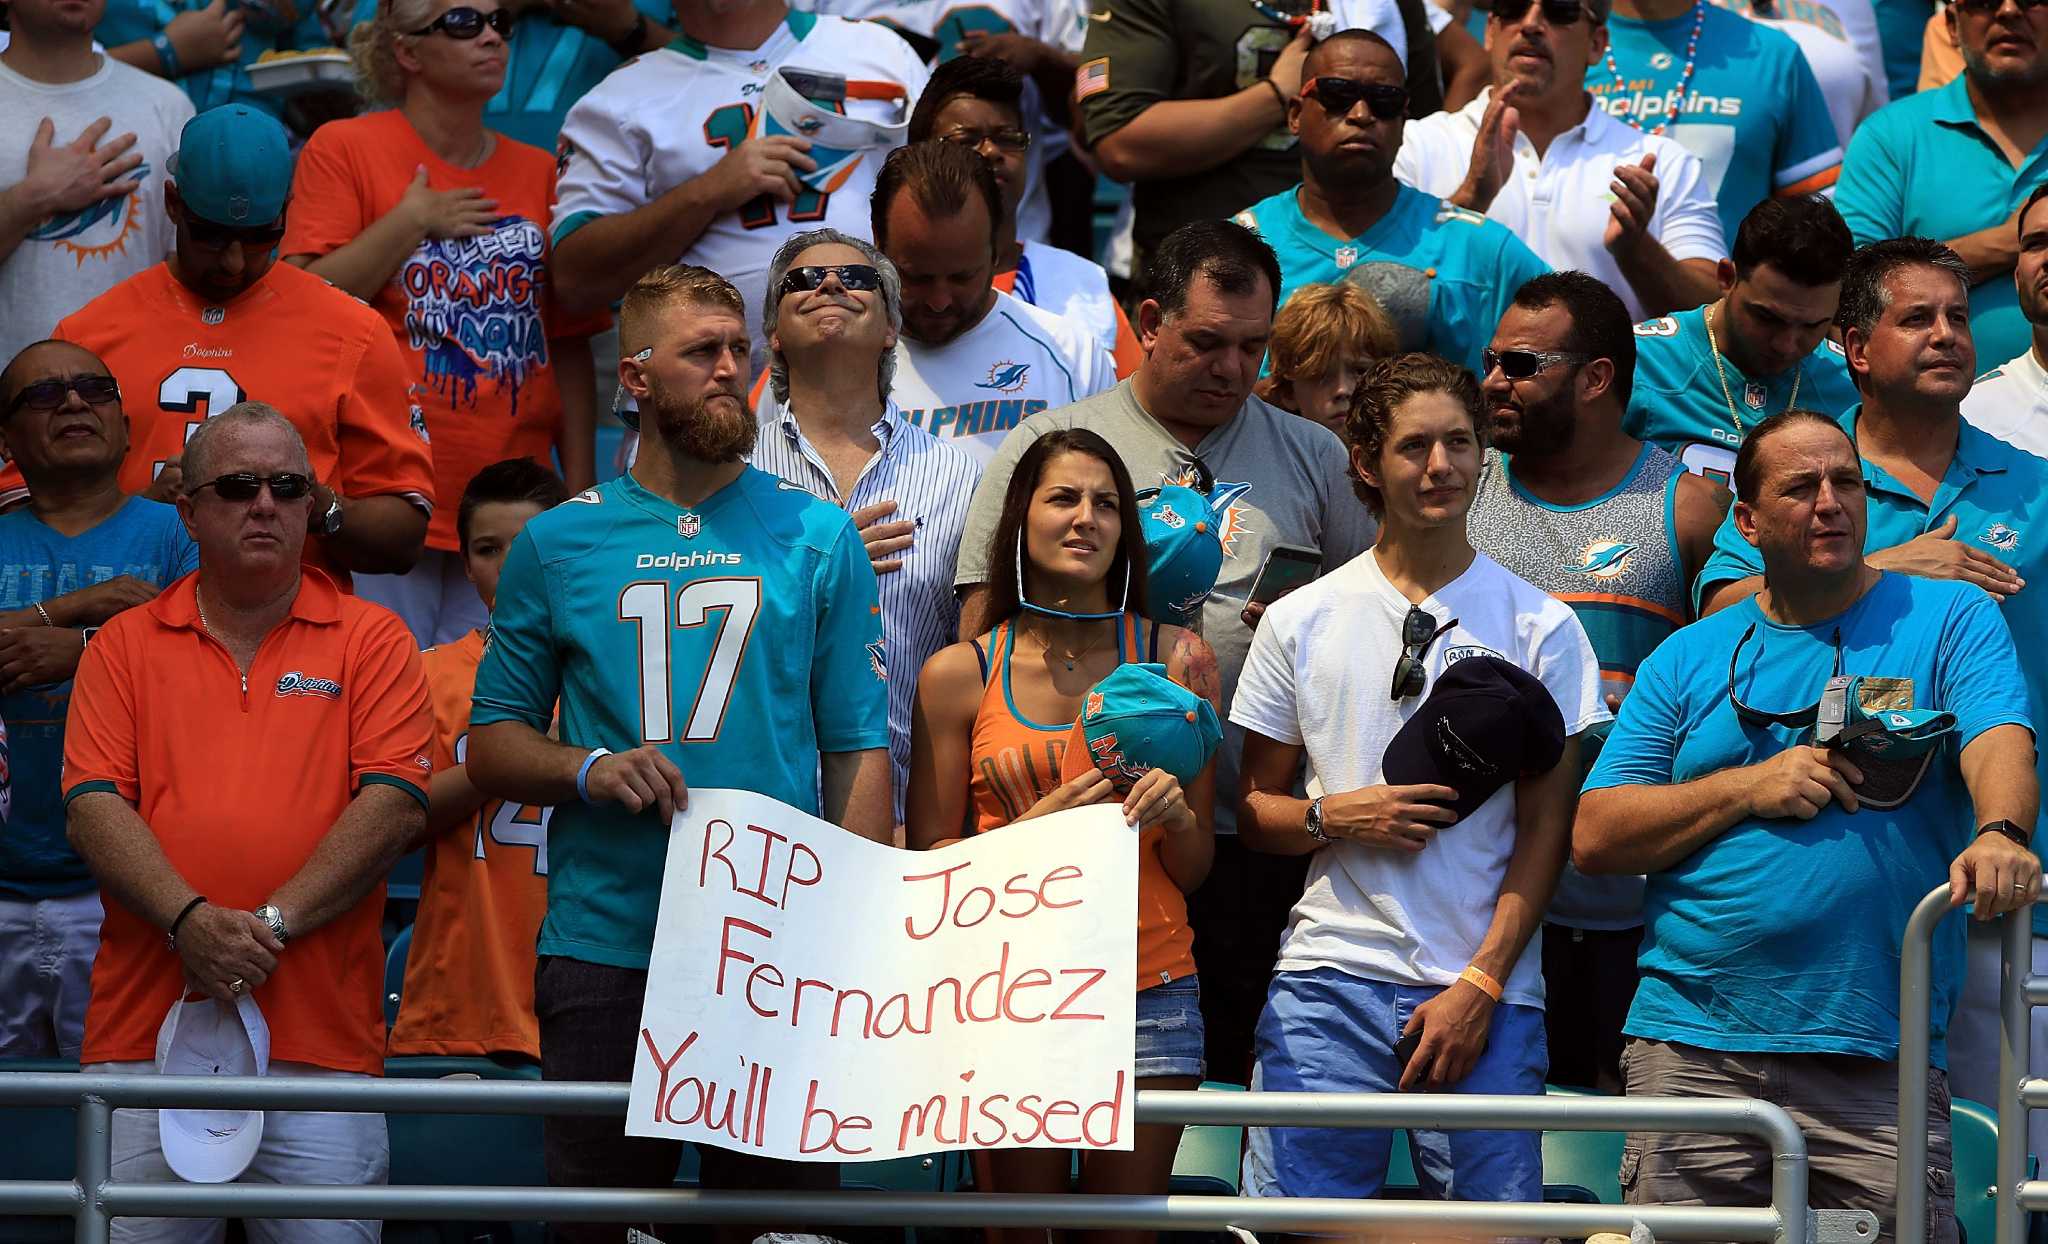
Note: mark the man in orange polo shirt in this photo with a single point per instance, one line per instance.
(245, 757)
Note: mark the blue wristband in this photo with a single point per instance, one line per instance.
(167, 56)
(583, 774)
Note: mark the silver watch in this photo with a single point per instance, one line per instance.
(329, 522)
(1313, 823)
(270, 915)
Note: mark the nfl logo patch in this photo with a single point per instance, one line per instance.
(212, 315)
(1753, 395)
(1346, 256)
(689, 525)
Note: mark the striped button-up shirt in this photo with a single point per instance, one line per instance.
(931, 484)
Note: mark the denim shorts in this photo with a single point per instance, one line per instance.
(1170, 1029)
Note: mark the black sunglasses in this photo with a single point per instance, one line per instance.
(48, 395)
(1339, 96)
(463, 22)
(218, 237)
(851, 276)
(1418, 631)
(1797, 719)
(1010, 140)
(244, 485)
(1985, 8)
(1522, 364)
(1556, 12)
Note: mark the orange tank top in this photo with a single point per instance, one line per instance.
(1013, 762)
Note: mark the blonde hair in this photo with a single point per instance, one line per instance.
(1321, 326)
(372, 45)
(666, 285)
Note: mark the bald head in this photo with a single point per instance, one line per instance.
(1353, 47)
(44, 360)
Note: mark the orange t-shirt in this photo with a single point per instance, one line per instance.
(239, 780)
(323, 358)
(1014, 762)
(472, 315)
(469, 975)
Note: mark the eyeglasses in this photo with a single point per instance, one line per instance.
(1418, 631)
(244, 485)
(1985, 8)
(464, 22)
(211, 236)
(1014, 141)
(47, 395)
(1556, 12)
(1339, 96)
(851, 276)
(1797, 719)
(1522, 364)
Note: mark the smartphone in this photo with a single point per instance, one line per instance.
(1404, 1052)
(1287, 567)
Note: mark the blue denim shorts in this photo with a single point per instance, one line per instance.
(1170, 1029)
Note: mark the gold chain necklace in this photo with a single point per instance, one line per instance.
(1714, 348)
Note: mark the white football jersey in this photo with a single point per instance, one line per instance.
(2011, 403)
(1067, 285)
(971, 391)
(661, 119)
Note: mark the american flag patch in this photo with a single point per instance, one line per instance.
(1092, 78)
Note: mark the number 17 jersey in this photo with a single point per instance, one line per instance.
(669, 116)
(741, 635)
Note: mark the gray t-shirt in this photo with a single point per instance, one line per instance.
(73, 258)
(1300, 494)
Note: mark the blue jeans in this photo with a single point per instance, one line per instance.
(1326, 1031)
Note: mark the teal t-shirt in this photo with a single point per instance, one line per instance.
(1677, 403)
(1922, 166)
(1463, 268)
(549, 65)
(741, 635)
(1782, 936)
(126, 21)
(1753, 113)
(142, 538)
(1999, 497)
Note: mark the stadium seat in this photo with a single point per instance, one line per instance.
(1973, 1133)
(490, 1149)
(394, 975)
(1210, 1157)
(41, 1144)
(1579, 1168)
(403, 885)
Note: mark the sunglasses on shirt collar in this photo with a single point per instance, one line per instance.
(1418, 631)
(1797, 719)
(1339, 96)
(463, 23)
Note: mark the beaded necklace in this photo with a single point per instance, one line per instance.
(1676, 97)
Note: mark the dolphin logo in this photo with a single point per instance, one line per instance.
(1006, 377)
(1604, 559)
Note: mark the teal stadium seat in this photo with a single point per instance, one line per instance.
(41, 1144)
(489, 1149)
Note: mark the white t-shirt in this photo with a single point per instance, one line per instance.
(1557, 202)
(69, 260)
(1018, 361)
(661, 119)
(1067, 285)
(1853, 82)
(2011, 403)
(1317, 676)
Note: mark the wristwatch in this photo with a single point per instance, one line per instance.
(270, 915)
(2007, 828)
(328, 522)
(1313, 823)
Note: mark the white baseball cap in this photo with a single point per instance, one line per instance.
(208, 1038)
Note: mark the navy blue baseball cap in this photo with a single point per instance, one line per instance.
(1485, 723)
(234, 167)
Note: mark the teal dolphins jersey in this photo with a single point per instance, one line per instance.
(1678, 406)
(741, 635)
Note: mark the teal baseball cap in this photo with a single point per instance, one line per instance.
(1137, 720)
(1183, 530)
(234, 167)
(1893, 747)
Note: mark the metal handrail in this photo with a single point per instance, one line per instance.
(2018, 992)
(93, 1198)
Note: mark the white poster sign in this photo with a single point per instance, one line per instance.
(816, 996)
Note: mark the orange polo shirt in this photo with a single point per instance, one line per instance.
(240, 779)
(469, 976)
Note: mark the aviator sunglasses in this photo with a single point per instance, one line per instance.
(244, 485)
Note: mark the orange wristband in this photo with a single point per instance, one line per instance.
(1485, 984)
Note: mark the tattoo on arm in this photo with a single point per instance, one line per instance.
(1197, 662)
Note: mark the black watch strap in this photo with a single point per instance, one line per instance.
(2007, 828)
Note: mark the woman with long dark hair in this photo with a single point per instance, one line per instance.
(993, 722)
